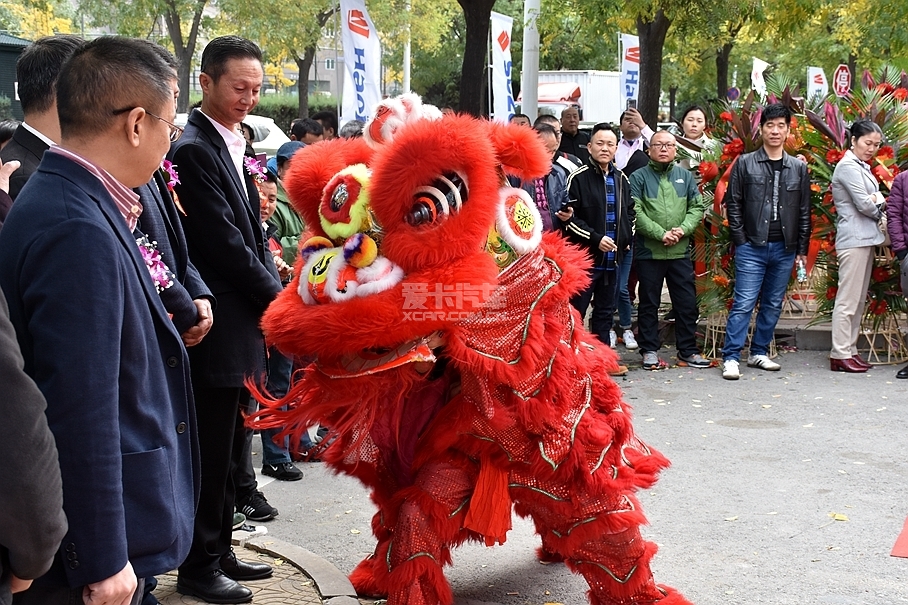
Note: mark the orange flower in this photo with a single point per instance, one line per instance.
(725, 222)
(726, 116)
(720, 281)
(885, 88)
(815, 187)
(900, 94)
(708, 171)
(885, 153)
(834, 155)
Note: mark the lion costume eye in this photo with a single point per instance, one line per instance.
(344, 209)
(431, 203)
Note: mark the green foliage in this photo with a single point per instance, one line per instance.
(6, 108)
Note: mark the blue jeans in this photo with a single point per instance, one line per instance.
(761, 272)
(624, 298)
(279, 370)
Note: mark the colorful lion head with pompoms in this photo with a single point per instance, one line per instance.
(409, 229)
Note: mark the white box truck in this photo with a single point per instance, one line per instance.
(595, 92)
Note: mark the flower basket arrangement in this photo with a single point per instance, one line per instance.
(819, 136)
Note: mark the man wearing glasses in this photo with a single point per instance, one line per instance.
(668, 208)
(600, 218)
(94, 333)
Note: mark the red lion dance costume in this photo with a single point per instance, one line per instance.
(415, 242)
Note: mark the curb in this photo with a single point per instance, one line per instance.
(331, 583)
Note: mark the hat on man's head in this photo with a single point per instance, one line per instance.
(286, 151)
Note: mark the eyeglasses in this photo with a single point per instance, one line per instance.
(175, 131)
(663, 146)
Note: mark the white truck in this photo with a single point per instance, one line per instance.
(595, 92)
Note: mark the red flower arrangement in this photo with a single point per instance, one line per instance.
(885, 153)
(831, 292)
(880, 274)
(726, 116)
(900, 94)
(708, 171)
(834, 156)
(878, 307)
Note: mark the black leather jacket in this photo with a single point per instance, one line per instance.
(749, 201)
(586, 194)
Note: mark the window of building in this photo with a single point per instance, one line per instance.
(329, 64)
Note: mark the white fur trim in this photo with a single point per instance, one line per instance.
(380, 276)
(394, 118)
(520, 245)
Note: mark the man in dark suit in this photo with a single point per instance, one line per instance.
(36, 71)
(95, 335)
(226, 244)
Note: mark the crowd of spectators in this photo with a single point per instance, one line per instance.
(126, 395)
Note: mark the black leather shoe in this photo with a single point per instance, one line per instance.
(214, 587)
(903, 373)
(241, 570)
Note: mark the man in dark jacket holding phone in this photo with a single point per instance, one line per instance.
(602, 221)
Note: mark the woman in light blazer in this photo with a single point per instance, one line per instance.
(859, 207)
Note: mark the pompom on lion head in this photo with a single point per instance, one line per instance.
(405, 224)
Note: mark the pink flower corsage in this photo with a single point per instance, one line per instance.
(254, 169)
(170, 172)
(162, 277)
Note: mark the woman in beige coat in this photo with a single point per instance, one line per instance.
(859, 207)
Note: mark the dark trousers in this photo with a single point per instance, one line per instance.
(679, 275)
(220, 447)
(603, 291)
(64, 595)
(244, 475)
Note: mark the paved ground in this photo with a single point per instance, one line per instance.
(287, 585)
(742, 517)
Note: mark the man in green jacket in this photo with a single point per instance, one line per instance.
(288, 223)
(669, 207)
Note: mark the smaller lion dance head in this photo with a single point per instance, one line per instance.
(408, 229)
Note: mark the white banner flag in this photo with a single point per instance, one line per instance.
(502, 95)
(630, 68)
(817, 86)
(757, 82)
(362, 62)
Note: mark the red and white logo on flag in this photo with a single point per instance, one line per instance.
(504, 40)
(357, 23)
(632, 54)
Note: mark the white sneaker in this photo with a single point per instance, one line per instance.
(630, 343)
(730, 370)
(763, 362)
(612, 339)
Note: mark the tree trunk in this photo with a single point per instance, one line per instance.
(672, 93)
(304, 64)
(722, 57)
(473, 73)
(652, 40)
(853, 66)
(183, 51)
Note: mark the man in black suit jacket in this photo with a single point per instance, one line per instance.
(188, 300)
(95, 336)
(226, 244)
(36, 71)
